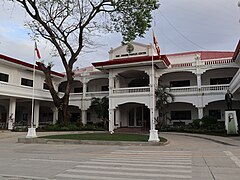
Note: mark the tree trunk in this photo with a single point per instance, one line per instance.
(60, 103)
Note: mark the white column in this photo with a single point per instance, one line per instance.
(11, 113)
(84, 89)
(117, 81)
(200, 112)
(111, 120)
(118, 117)
(111, 84)
(36, 113)
(199, 85)
(199, 81)
(84, 117)
(55, 115)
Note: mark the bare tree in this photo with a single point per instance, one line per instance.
(69, 25)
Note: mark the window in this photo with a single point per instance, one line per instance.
(181, 115)
(26, 82)
(104, 88)
(140, 53)
(180, 83)
(216, 113)
(3, 77)
(78, 90)
(45, 86)
(215, 81)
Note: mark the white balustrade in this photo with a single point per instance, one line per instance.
(222, 87)
(131, 90)
(218, 61)
(23, 91)
(97, 94)
(203, 62)
(181, 65)
(206, 88)
(183, 89)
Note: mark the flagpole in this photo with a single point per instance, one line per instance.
(32, 130)
(33, 90)
(153, 93)
(153, 136)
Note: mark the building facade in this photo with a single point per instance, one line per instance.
(198, 80)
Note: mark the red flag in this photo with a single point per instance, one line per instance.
(37, 51)
(156, 45)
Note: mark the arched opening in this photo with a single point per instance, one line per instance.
(133, 115)
(75, 113)
(3, 117)
(218, 76)
(217, 109)
(181, 113)
(45, 115)
(133, 78)
(23, 113)
(97, 85)
(178, 79)
(77, 87)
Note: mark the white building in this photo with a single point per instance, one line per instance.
(198, 80)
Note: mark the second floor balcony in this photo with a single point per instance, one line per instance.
(175, 90)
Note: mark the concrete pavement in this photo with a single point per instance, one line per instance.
(185, 157)
(229, 140)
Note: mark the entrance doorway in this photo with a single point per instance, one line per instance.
(138, 116)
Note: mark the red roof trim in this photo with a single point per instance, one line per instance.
(237, 51)
(206, 54)
(16, 61)
(131, 60)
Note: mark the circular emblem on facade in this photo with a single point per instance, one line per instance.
(129, 48)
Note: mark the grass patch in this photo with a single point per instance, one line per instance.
(103, 137)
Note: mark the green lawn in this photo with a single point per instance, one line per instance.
(103, 137)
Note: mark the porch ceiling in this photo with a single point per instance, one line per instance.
(133, 74)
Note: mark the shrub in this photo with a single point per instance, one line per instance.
(74, 127)
(196, 123)
(208, 121)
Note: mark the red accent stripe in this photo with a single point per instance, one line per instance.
(16, 61)
(131, 60)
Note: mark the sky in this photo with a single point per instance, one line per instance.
(179, 25)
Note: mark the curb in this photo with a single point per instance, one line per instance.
(88, 142)
(206, 138)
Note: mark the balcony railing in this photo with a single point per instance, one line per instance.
(183, 89)
(97, 94)
(131, 90)
(23, 91)
(203, 63)
(217, 61)
(222, 87)
(205, 88)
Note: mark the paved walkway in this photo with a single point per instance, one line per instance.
(230, 140)
(9, 136)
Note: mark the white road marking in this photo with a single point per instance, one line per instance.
(233, 157)
(50, 160)
(20, 176)
(133, 169)
(145, 162)
(132, 165)
(139, 165)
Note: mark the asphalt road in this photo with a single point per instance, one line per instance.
(185, 157)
